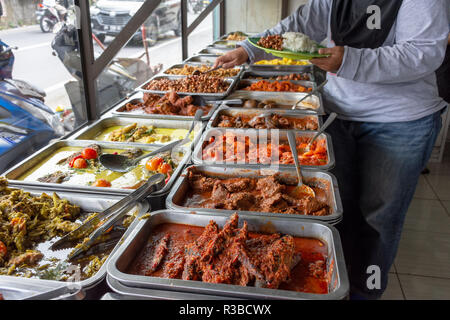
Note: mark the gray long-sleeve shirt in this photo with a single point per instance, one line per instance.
(393, 83)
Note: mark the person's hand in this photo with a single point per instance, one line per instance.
(232, 59)
(333, 62)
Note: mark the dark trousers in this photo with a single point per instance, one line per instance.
(378, 167)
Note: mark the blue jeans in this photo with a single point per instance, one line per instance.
(378, 167)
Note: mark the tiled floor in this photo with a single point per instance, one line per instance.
(422, 265)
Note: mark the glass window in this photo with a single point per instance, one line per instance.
(40, 77)
(154, 47)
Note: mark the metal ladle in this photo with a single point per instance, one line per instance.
(314, 91)
(197, 72)
(301, 188)
(327, 123)
(119, 163)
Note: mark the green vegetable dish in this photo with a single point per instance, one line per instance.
(29, 225)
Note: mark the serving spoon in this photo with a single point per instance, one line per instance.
(327, 123)
(197, 72)
(301, 188)
(314, 91)
(119, 163)
(267, 119)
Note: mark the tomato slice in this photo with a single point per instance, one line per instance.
(80, 163)
(89, 154)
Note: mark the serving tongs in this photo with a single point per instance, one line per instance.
(100, 224)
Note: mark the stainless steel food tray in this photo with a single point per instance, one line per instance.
(247, 82)
(225, 110)
(181, 65)
(15, 288)
(123, 292)
(89, 203)
(208, 96)
(178, 194)
(287, 68)
(339, 284)
(269, 74)
(225, 44)
(198, 100)
(285, 99)
(202, 59)
(213, 51)
(90, 132)
(249, 34)
(35, 159)
(197, 155)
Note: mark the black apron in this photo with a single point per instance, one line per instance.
(443, 77)
(349, 22)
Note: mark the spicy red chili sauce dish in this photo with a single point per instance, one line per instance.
(231, 147)
(233, 255)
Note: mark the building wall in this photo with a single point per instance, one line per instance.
(255, 15)
(18, 12)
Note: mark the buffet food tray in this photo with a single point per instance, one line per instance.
(269, 74)
(15, 288)
(198, 159)
(321, 178)
(35, 159)
(225, 44)
(208, 96)
(285, 99)
(338, 284)
(287, 68)
(138, 98)
(213, 51)
(88, 203)
(225, 110)
(247, 82)
(123, 292)
(202, 59)
(90, 132)
(181, 65)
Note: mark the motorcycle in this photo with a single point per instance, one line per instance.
(48, 16)
(26, 124)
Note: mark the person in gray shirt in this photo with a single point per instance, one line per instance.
(382, 85)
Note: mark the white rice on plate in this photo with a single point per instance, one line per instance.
(299, 42)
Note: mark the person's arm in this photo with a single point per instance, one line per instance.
(311, 19)
(421, 39)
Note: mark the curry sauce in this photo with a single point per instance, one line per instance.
(169, 254)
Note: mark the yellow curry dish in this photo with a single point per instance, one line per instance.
(81, 167)
(284, 61)
(135, 133)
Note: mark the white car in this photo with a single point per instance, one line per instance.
(110, 16)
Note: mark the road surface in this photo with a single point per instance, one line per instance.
(35, 63)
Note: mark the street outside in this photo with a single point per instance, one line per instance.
(35, 63)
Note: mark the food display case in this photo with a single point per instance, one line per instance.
(138, 111)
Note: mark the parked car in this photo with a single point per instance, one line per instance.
(110, 16)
